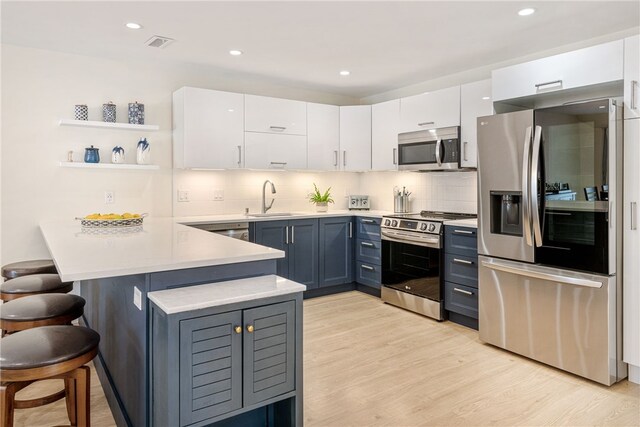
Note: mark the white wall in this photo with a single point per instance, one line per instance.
(40, 87)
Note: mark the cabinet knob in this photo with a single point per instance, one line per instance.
(238, 329)
(250, 328)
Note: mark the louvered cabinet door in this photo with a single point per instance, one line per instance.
(269, 352)
(210, 367)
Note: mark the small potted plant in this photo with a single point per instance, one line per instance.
(321, 200)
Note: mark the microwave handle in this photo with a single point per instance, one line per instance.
(438, 156)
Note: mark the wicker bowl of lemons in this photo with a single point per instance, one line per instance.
(98, 220)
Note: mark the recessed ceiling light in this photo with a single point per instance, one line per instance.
(235, 52)
(345, 72)
(486, 97)
(526, 11)
(230, 110)
(133, 26)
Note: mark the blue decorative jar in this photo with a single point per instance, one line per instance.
(91, 155)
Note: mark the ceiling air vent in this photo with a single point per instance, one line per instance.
(159, 41)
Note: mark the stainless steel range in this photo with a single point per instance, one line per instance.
(411, 261)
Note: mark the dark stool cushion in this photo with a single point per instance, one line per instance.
(41, 307)
(46, 345)
(25, 268)
(36, 284)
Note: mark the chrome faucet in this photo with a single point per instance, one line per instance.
(265, 208)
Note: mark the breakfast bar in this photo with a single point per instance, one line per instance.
(156, 296)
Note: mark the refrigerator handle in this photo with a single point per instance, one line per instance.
(533, 178)
(496, 265)
(438, 157)
(526, 166)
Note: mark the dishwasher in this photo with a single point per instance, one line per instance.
(236, 230)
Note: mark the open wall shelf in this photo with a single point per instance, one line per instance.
(108, 166)
(107, 125)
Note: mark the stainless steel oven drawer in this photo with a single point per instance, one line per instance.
(461, 299)
(461, 269)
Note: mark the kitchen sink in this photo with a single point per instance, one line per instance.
(262, 215)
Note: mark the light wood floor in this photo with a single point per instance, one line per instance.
(370, 364)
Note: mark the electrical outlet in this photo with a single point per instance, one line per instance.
(183, 195)
(137, 298)
(217, 194)
(109, 197)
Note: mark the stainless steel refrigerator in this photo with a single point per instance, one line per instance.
(548, 192)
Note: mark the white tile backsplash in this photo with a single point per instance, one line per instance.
(437, 191)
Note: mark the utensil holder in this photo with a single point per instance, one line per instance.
(401, 204)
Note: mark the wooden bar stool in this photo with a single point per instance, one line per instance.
(34, 284)
(40, 310)
(48, 352)
(26, 268)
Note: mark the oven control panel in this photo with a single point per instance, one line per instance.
(420, 226)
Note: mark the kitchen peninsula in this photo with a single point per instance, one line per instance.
(130, 279)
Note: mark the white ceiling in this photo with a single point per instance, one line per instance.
(385, 45)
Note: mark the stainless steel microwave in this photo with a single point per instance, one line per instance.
(428, 150)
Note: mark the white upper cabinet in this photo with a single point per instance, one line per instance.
(437, 109)
(632, 77)
(323, 136)
(208, 129)
(385, 122)
(475, 101)
(275, 115)
(355, 138)
(275, 151)
(585, 67)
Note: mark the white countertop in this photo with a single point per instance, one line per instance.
(161, 245)
(190, 298)
(470, 222)
(213, 219)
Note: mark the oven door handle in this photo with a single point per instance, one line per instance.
(406, 238)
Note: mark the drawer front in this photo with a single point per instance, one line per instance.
(369, 251)
(461, 299)
(368, 274)
(461, 269)
(368, 228)
(461, 240)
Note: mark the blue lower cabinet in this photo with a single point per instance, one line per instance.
(336, 251)
(230, 365)
(368, 228)
(369, 251)
(461, 299)
(369, 274)
(299, 240)
(461, 269)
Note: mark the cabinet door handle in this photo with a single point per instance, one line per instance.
(462, 232)
(350, 230)
(634, 85)
(367, 267)
(250, 328)
(634, 213)
(239, 155)
(344, 158)
(426, 123)
(368, 221)
(368, 244)
(462, 291)
(555, 82)
(278, 128)
(462, 261)
(335, 158)
(293, 234)
(238, 329)
(282, 164)
(395, 156)
(464, 150)
(286, 238)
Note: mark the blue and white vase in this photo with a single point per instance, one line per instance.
(142, 152)
(117, 154)
(109, 112)
(136, 113)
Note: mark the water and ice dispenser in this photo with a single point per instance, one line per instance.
(506, 212)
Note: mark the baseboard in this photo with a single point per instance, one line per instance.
(115, 405)
(329, 290)
(368, 290)
(634, 374)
